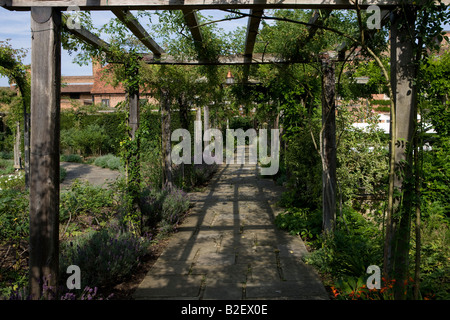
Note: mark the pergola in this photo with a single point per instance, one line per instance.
(46, 23)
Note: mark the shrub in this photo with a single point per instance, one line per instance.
(108, 161)
(163, 208)
(114, 163)
(84, 204)
(14, 220)
(174, 206)
(6, 166)
(300, 222)
(348, 252)
(15, 181)
(6, 155)
(88, 140)
(71, 158)
(104, 256)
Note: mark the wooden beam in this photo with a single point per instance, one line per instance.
(312, 30)
(138, 30)
(252, 31)
(44, 148)
(190, 17)
(256, 58)
(198, 4)
(86, 35)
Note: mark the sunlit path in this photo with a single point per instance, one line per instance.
(229, 247)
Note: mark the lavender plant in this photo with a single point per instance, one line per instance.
(104, 256)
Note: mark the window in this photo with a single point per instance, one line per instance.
(105, 102)
(74, 95)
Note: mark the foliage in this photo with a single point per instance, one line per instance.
(11, 66)
(164, 209)
(13, 208)
(109, 161)
(434, 97)
(6, 166)
(435, 250)
(355, 245)
(361, 155)
(105, 256)
(90, 140)
(304, 167)
(356, 289)
(436, 176)
(300, 222)
(85, 206)
(71, 158)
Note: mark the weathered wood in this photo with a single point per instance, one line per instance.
(206, 124)
(133, 117)
(166, 140)
(86, 36)
(190, 17)
(138, 30)
(17, 153)
(403, 71)
(199, 4)
(328, 149)
(44, 147)
(250, 39)
(252, 30)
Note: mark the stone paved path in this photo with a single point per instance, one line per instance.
(97, 176)
(229, 249)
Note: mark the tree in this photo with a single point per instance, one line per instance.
(12, 67)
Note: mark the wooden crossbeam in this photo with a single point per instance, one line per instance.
(316, 22)
(138, 30)
(199, 4)
(190, 17)
(85, 35)
(252, 31)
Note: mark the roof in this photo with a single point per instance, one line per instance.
(76, 88)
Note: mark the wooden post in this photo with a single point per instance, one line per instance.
(185, 119)
(17, 153)
(26, 142)
(133, 118)
(44, 147)
(133, 154)
(328, 149)
(403, 72)
(206, 121)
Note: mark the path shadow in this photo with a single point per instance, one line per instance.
(229, 248)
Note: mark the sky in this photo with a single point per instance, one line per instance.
(15, 26)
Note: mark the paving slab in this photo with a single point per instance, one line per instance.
(228, 247)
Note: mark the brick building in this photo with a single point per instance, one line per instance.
(94, 89)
